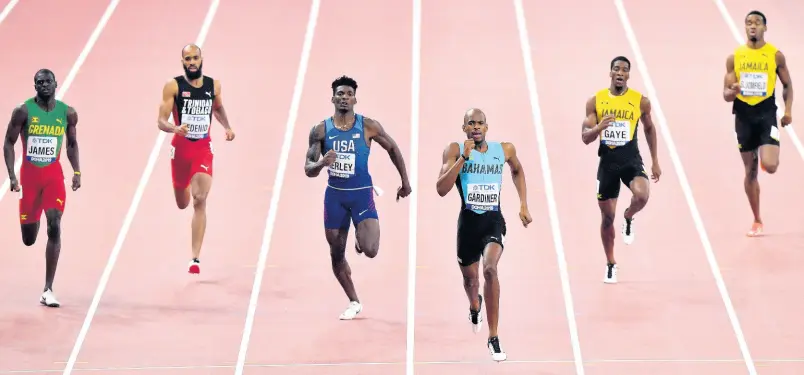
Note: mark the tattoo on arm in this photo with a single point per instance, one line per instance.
(383, 139)
(312, 165)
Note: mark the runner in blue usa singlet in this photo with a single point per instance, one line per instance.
(349, 194)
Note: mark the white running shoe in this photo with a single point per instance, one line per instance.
(352, 311)
(195, 267)
(476, 317)
(628, 231)
(496, 351)
(49, 299)
(611, 274)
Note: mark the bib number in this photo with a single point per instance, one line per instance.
(42, 149)
(617, 134)
(753, 84)
(197, 126)
(344, 165)
(483, 196)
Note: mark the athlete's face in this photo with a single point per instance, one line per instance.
(193, 62)
(755, 27)
(620, 73)
(344, 99)
(45, 84)
(475, 126)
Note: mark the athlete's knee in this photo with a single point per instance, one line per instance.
(770, 167)
(53, 224)
(200, 199)
(369, 245)
(337, 254)
(29, 232)
(490, 271)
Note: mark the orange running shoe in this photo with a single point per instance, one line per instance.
(756, 230)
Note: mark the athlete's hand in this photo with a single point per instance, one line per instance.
(524, 215)
(230, 134)
(403, 191)
(787, 119)
(181, 130)
(15, 185)
(76, 181)
(656, 172)
(468, 146)
(329, 158)
(605, 122)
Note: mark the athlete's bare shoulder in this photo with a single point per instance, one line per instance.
(509, 150)
(19, 115)
(372, 127)
(171, 87)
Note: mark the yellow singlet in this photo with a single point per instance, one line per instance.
(756, 72)
(627, 111)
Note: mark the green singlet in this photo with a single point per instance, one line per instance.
(44, 133)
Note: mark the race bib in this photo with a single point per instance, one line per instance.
(753, 84)
(197, 126)
(483, 196)
(344, 165)
(42, 149)
(617, 134)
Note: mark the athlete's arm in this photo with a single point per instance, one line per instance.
(730, 85)
(169, 91)
(217, 107)
(517, 173)
(784, 75)
(650, 136)
(18, 118)
(312, 163)
(590, 129)
(375, 131)
(451, 164)
(72, 139)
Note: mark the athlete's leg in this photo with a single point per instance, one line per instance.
(200, 185)
(470, 249)
(53, 249)
(637, 181)
(749, 142)
(336, 230)
(180, 174)
(608, 190)
(54, 197)
(768, 142)
(366, 220)
(769, 157)
(491, 289)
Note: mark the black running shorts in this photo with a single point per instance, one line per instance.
(611, 172)
(475, 231)
(756, 129)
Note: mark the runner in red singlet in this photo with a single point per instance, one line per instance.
(43, 121)
(192, 99)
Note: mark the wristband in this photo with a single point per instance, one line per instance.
(77, 173)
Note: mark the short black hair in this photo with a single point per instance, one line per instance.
(620, 58)
(344, 81)
(758, 13)
(44, 71)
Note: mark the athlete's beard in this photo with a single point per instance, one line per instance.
(44, 98)
(753, 39)
(194, 75)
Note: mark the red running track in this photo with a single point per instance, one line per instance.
(667, 316)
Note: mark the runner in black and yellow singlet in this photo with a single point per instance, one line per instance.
(613, 114)
(43, 122)
(750, 83)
